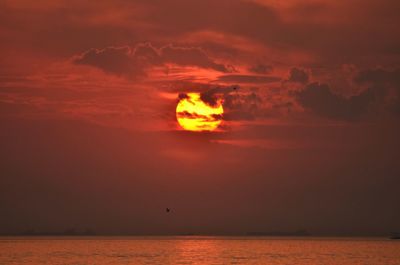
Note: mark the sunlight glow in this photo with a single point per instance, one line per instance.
(193, 114)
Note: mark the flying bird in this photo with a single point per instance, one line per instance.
(167, 210)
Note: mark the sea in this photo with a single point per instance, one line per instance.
(198, 250)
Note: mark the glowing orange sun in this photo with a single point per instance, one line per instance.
(193, 114)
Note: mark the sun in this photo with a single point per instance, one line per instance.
(193, 114)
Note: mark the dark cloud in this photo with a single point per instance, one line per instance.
(183, 96)
(380, 96)
(188, 115)
(242, 106)
(379, 77)
(257, 79)
(385, 84)
(261, 68)
(112, 60)
(212, 95)
(190, 56)
(320, 99)
(238, 103)
(133, 62)
(298, 75)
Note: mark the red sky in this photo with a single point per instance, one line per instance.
(309, 139)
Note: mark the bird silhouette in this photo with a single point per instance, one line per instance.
(167, 210)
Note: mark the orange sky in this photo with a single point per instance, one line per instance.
(88, 92)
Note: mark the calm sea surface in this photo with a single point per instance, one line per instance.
(198, 250)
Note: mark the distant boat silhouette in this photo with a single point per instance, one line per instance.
(167, 210)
